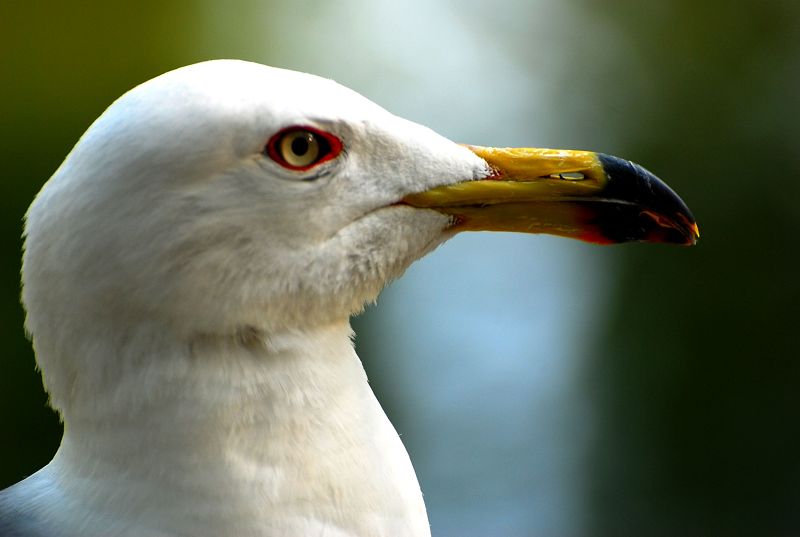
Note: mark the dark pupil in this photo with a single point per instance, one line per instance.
(300, 146)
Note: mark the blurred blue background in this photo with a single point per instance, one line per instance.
(542, 386)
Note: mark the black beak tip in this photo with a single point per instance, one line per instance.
(644, 207)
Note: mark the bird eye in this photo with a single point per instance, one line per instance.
(302, 148)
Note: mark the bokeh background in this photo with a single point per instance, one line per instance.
(542, 386)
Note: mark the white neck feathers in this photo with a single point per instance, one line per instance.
(240, 436)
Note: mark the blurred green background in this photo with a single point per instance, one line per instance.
(683, 385)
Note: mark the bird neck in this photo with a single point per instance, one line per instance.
(244, 433)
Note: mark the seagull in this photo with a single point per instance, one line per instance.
(189, 273)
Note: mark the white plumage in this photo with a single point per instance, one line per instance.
(189, 302)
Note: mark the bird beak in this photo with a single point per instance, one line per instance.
(579, 194)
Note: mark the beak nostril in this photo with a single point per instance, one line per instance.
(569, 176)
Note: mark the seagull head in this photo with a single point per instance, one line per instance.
(227, 199)
(189, 272)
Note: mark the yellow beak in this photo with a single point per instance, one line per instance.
(579, 194)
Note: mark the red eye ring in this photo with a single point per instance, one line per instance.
(300, 148)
